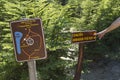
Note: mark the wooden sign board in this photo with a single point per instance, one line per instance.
(85, 36)
(28, 39)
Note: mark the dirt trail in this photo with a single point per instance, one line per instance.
(103, 70)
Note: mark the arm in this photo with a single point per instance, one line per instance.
(113, 26)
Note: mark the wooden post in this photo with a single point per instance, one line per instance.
(31, 67)
(32, 70)
(79, 64)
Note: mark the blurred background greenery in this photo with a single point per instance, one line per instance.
(59, 18)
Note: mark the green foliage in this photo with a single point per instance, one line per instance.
(59, 18)
(56, 24)
(107, 11)
(54, 67)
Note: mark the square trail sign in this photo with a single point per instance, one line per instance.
(85, 36)
(28, 39)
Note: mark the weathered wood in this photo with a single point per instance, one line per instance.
(32, 70)
(79, 64)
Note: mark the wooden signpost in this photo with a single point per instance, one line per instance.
(29, 43)
(81, 38)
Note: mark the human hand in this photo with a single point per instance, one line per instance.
(101, 34)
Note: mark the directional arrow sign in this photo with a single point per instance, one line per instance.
(85, 36)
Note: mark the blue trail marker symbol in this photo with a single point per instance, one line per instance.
(18, 37)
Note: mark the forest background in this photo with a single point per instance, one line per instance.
(59, 19)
